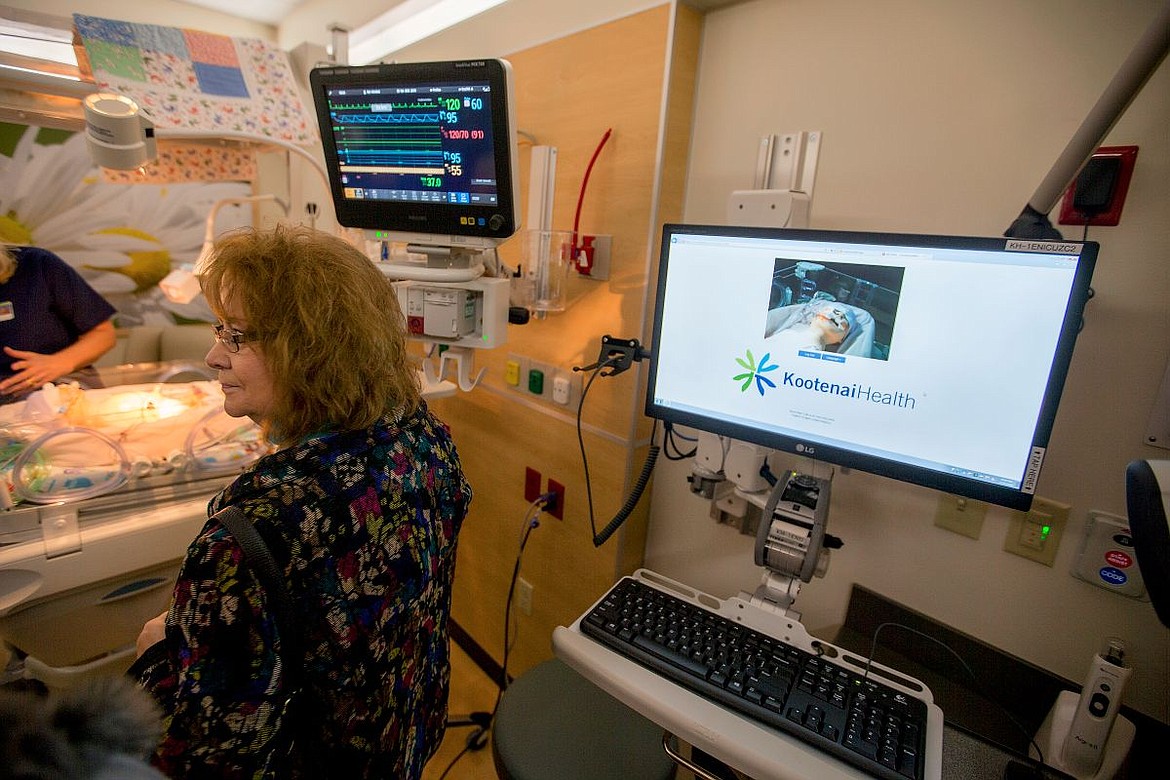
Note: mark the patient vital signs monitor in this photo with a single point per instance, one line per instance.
(423, 152)
(935, 360)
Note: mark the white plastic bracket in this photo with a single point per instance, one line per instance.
(782, 187)
(788, 162)
(776, 593)
(60, 530)
(461, 358)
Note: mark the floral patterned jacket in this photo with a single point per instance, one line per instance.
(364, 524)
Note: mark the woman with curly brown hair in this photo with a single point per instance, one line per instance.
(360, 506)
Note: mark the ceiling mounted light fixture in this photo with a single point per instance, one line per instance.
(410, 22)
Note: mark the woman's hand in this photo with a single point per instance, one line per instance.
(31, 370)
(152, 631)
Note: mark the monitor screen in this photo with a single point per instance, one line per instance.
(935, 360)
(424, 152)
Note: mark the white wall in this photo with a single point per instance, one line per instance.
(944, 118)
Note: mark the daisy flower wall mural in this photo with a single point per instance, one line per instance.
(123, 238)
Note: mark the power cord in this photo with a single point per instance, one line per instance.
(670, 447)
(478, 738)
(466, 748)
(975, 680)
(531, 523)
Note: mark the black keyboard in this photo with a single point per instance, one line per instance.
(872, 726)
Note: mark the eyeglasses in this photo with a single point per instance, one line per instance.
(230, 337)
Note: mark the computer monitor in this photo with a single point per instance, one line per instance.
(934, 360)
(421, 152)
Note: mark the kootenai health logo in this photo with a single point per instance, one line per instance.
(755, 371)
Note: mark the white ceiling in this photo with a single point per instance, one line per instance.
(265, 11)
(273, 11)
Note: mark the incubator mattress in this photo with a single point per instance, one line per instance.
(69, 444)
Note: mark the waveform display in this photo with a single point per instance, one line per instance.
(368, 106)
(414, 145)
(388, 119)
(426, 150)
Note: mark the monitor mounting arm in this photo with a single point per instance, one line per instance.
(791, 543)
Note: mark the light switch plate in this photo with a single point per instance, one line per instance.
(961, 515)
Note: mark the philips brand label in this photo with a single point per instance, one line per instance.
(1048, 247)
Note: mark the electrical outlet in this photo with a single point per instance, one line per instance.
(524, 595)
(531, 484)
(557, 509)
(1035, 534)
(961, 515)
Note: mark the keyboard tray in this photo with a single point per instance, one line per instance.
(747, 723)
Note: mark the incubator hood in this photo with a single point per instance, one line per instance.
(102, 491)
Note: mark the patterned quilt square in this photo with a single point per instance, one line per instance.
(218, 80)
(198, 80)
(116, 59)
(212, 49)
(94, 28)
(166, 40)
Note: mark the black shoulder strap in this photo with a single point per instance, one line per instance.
(271, 578)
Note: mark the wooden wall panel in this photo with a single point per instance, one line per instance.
(568, 93)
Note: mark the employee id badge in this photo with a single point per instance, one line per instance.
(7, 312)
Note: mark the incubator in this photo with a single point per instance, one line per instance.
(101, 491)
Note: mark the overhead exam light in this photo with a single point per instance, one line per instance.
(121, 136)
(117, 133)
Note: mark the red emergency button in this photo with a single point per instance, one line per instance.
(1119, 559)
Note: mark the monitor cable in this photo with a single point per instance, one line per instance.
(617, 355)
(670, 444)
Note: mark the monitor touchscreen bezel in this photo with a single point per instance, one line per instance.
(409, 220)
